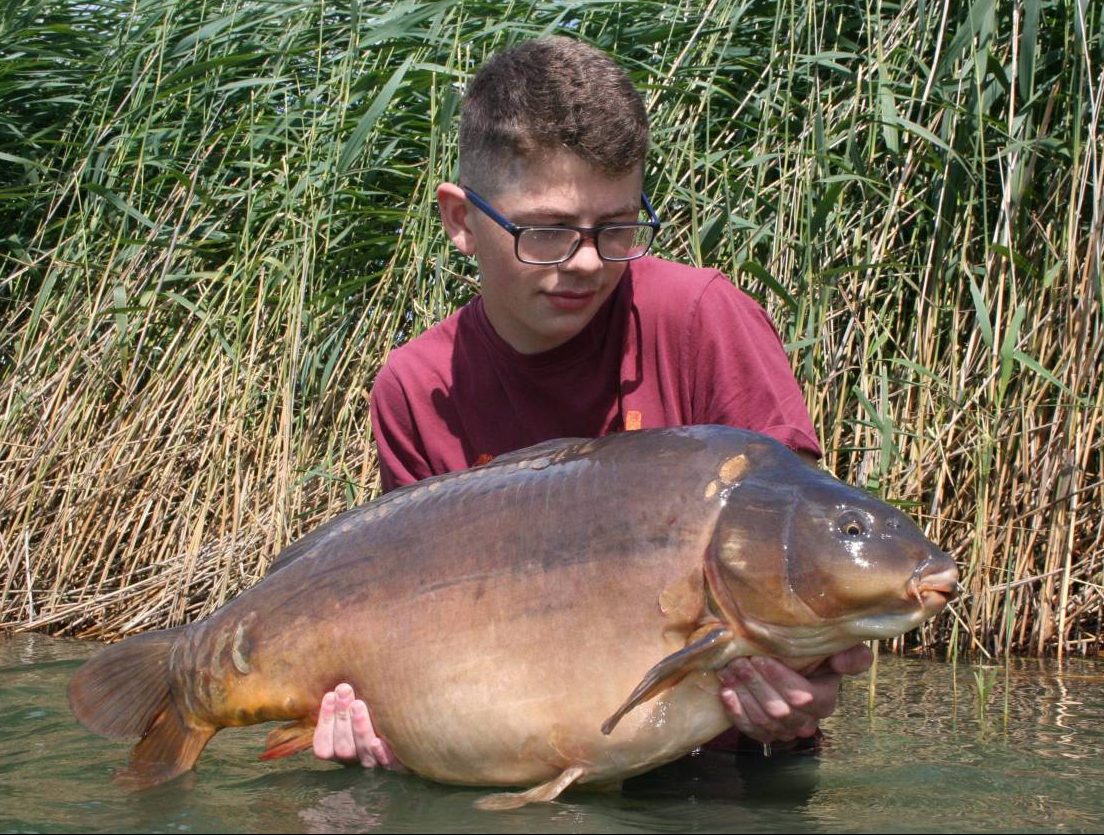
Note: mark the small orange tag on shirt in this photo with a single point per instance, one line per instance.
(485, 458)
(633, 420)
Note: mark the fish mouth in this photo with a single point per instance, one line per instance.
(933, 589)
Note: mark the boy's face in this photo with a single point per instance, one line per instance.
(536, 308)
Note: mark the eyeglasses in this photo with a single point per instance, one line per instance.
(544, 245)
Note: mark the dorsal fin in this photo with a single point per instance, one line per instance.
(540, 454)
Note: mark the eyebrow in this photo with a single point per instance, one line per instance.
(556, 212)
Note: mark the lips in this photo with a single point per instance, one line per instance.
(934, 589)
(569, 301)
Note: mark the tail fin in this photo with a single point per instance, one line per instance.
(120, 692)
(124, 692)
(169, 748)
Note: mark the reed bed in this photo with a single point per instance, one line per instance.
(218, 217)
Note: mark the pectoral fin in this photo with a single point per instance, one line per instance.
(697, 655)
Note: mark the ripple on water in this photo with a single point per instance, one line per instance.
(927, 756)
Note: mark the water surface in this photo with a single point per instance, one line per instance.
(926, 747)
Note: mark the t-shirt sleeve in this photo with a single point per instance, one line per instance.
(741, 374)
(402, 459)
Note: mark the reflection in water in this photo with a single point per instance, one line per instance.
(941, 748)
(341, 810)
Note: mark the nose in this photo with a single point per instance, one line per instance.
(585, 258)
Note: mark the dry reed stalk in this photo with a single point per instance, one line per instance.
(219, 230)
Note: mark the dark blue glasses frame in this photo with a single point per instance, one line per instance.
(584, 232)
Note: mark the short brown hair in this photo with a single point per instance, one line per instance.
(547, 94)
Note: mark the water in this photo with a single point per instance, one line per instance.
(928, 756)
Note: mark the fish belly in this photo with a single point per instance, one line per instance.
(518, 690)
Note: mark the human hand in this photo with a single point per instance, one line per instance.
(344, 732)
(769, 702)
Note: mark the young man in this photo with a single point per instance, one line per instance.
(576, 332)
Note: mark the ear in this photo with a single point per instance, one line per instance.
(453, 205)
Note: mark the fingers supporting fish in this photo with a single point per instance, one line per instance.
(851, 662)
(344, 743)
(750, 720)
(769, 702)
(345, 734)
(379, 751)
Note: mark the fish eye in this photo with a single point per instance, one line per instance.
(852, 525)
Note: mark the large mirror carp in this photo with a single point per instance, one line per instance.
(554, 617)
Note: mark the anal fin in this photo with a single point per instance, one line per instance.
(289, 739)
(697, 655)
(543, 793)
(170, 747)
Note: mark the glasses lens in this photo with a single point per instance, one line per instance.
(624, 242)
(546, 245)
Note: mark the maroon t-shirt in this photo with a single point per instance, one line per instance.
(672, 346)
